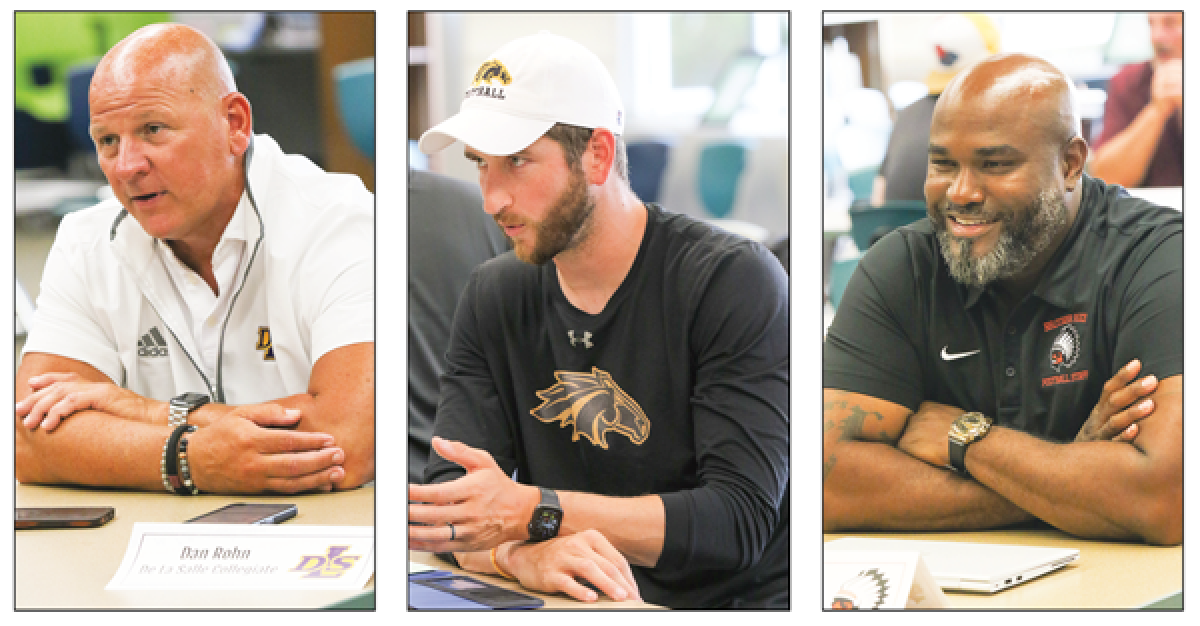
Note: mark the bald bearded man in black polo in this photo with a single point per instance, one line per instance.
(1018, 354)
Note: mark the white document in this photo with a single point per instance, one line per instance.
(415, 567)
(246, 556)
(869, 580)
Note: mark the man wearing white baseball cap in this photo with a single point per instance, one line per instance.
(627, 367)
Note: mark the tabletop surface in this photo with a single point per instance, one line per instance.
(1107, 575)
(69, 568)
(553, 601)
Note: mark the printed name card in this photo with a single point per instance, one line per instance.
(246, 556)
(868, 580)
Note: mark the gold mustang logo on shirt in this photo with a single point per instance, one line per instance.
(594, 405)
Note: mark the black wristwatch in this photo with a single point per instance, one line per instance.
(966, 430)
(182, 405)
(547, 517)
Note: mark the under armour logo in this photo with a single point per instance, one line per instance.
(587, 338)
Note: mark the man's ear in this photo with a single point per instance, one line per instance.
(1075, 156)
(237, 114)
(599, 155)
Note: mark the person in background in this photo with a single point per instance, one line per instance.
(448, 235)
(957, 41)
(1141, 144)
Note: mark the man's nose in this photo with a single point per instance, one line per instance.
(496, 197)
(131, 160)
(965, 189)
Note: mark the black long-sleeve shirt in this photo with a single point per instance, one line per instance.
(679, 387)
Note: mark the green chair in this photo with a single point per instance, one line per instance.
(717, 176)
(45, 45)
(839, 277)
(861, 181)
(869, 224)
(355, 85)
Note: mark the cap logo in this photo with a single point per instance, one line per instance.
(490, 71)
(485, 80)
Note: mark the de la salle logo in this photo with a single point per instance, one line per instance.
(332, 564)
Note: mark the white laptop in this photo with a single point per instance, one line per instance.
(971, 566)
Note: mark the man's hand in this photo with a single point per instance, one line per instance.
(560, 564)
(926, 436)
(1166, 91)
(246, 451)
(57, 395)
(486, 507)
(1117, 413)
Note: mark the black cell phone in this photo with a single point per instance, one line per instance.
(247, 513)
(476, 591)
(64, 517)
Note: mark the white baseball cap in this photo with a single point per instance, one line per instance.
(959, 40)
(525, 88)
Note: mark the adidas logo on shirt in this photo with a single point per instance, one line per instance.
(152, 343)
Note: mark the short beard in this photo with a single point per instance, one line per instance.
(565, 226)
(1025, 236)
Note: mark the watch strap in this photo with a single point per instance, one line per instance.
(958, 456)
(182, 405)
(549, 498)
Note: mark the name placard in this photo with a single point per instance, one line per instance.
(868, 580)
(244, 556)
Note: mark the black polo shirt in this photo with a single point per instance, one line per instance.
(906, 331)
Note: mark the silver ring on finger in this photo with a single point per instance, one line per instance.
(453, 535)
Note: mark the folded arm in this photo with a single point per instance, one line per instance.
(1096, 489)
(105, 436)
(869, 484)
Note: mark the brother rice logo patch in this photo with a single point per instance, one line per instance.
(490, 80)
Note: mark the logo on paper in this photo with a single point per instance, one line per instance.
(868, 590)
(330, 565)
(593, 405)
(264, 343)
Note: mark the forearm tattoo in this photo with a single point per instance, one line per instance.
(851, 427)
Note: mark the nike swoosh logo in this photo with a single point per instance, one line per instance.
(946, 356)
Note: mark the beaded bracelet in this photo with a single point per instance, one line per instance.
(170, 464)
(185, 472)
(162, 466)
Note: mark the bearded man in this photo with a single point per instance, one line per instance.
(629, 366)
(983, 369)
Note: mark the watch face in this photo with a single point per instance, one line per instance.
(545, 523)
(190, 400)
(971, 425)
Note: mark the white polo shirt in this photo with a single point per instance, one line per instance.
(303, 285)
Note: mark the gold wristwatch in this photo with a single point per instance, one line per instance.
(966, 430)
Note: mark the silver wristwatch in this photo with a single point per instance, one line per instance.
(182, 405)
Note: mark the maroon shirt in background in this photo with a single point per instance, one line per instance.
(1128, 94)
